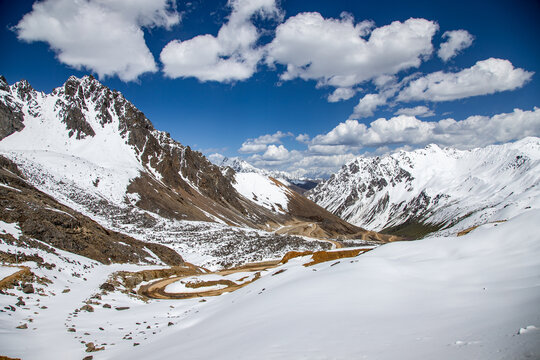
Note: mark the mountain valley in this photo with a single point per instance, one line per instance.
(118, 242)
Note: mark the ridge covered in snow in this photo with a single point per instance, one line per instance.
(92, 153)
(92, 139)
(264, 191)
(443, 188)
(300, 184)
(242, 166)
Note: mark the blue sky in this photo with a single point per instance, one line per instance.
(268, 76)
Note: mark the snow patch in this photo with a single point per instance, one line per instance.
(263, 191)
(10, 228)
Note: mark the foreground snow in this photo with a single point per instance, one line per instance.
(6, 271)
(444, 298)
(471, 297)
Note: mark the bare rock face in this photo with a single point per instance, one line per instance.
(87, 307)
(11, 116)
(28, 289)
(107, 286)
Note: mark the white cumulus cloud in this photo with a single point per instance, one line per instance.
(367, 105)
(261, 143)
(457, 40)
(303, 138)
(341, 94)
(421, 111)
(216, 158)
(342, 54)
(408, 130)
(276, 153)
(104, 36)
(304, 163)
(229, 56)
(485, 77)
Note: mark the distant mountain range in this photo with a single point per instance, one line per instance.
(412, 193)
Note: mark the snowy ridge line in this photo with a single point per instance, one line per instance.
(447, 187)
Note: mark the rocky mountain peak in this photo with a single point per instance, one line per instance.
(3, 83)
(90, 110)
(11, 116)
(24, 90)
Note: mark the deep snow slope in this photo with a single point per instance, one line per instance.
(447, 188)
(470, 297)
(264, 191)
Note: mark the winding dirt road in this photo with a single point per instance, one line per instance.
(156, 289)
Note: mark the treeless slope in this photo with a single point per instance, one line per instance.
(41, 217)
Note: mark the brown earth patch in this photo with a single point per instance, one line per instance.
(200, 284)
(8, 280)
(468, 230)
(294, 254)
(130, 280)
(156, 290)
(323, 256)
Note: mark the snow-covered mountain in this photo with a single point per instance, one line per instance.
(300, 184)
(94, 140)
(416, 192)
(92, 149)
(67, 179)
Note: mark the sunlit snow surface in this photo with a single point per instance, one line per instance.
(440, 298)
(263, 191)
(6, 271)
(470, 297)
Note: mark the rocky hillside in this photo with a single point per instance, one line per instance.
(92, 149)
(42, 218)
(417, 192)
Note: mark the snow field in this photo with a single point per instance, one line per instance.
(263, 191)
(474, 296)
(445, 298)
